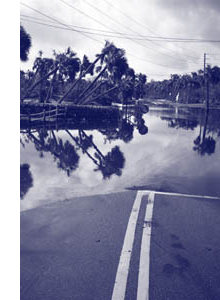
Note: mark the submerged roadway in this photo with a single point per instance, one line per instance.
(130, 245)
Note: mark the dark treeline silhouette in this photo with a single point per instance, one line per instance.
(25, 44)
(187, 88)
(181, 123)
(65, 77)
(26, 180)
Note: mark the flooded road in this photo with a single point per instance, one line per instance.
(142, 236)
(166, 149)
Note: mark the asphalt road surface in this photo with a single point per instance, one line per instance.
(130, 245)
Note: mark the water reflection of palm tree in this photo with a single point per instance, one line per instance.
(126, 131)
(64, 153)
(109, 164)
(129, 120)
(202, 143)
(112, 163)
(80, 142)
(26, 180)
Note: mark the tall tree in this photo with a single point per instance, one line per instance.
(26, 180)
(25, 44)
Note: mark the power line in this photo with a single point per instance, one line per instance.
(88, 16)
(70, 29)
(132, 39)
(57, 21)
(83, 13)
(144, 25)
(124, 26)
(129, 35)
(129, 17)
(83, 31)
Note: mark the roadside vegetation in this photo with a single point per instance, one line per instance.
(65, 77)
(187, 88)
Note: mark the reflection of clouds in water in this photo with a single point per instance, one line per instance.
(163, 156)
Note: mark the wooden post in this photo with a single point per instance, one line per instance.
(207, 93)
(204, 76)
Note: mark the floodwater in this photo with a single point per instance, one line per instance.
(166, 149)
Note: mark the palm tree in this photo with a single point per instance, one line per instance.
(43, 68)
(63, 153)
(109, 164)
(84, 67)
(186, 85)
(140, 80)
(82, 74)
(25, 44)
(69, 65)
(115, 66)
(63, 67)
(26, 179)
(112, 163)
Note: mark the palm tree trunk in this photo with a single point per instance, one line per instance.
(95, 147)
(80, 77)
(42, 144)
(106, 92)
(39, 81)
(88, 95)
(85, 151)
(35, 75)
(54, 137)
(92, 83)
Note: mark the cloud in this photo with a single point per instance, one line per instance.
(191, 19)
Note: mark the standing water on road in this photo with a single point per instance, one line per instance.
(166, 149)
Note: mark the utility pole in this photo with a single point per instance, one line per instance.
(204, 76)
(206, 83)
(204, 63)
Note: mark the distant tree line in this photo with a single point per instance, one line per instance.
(187, 88)
(66, 77)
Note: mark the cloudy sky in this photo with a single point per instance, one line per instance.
(130, 25)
